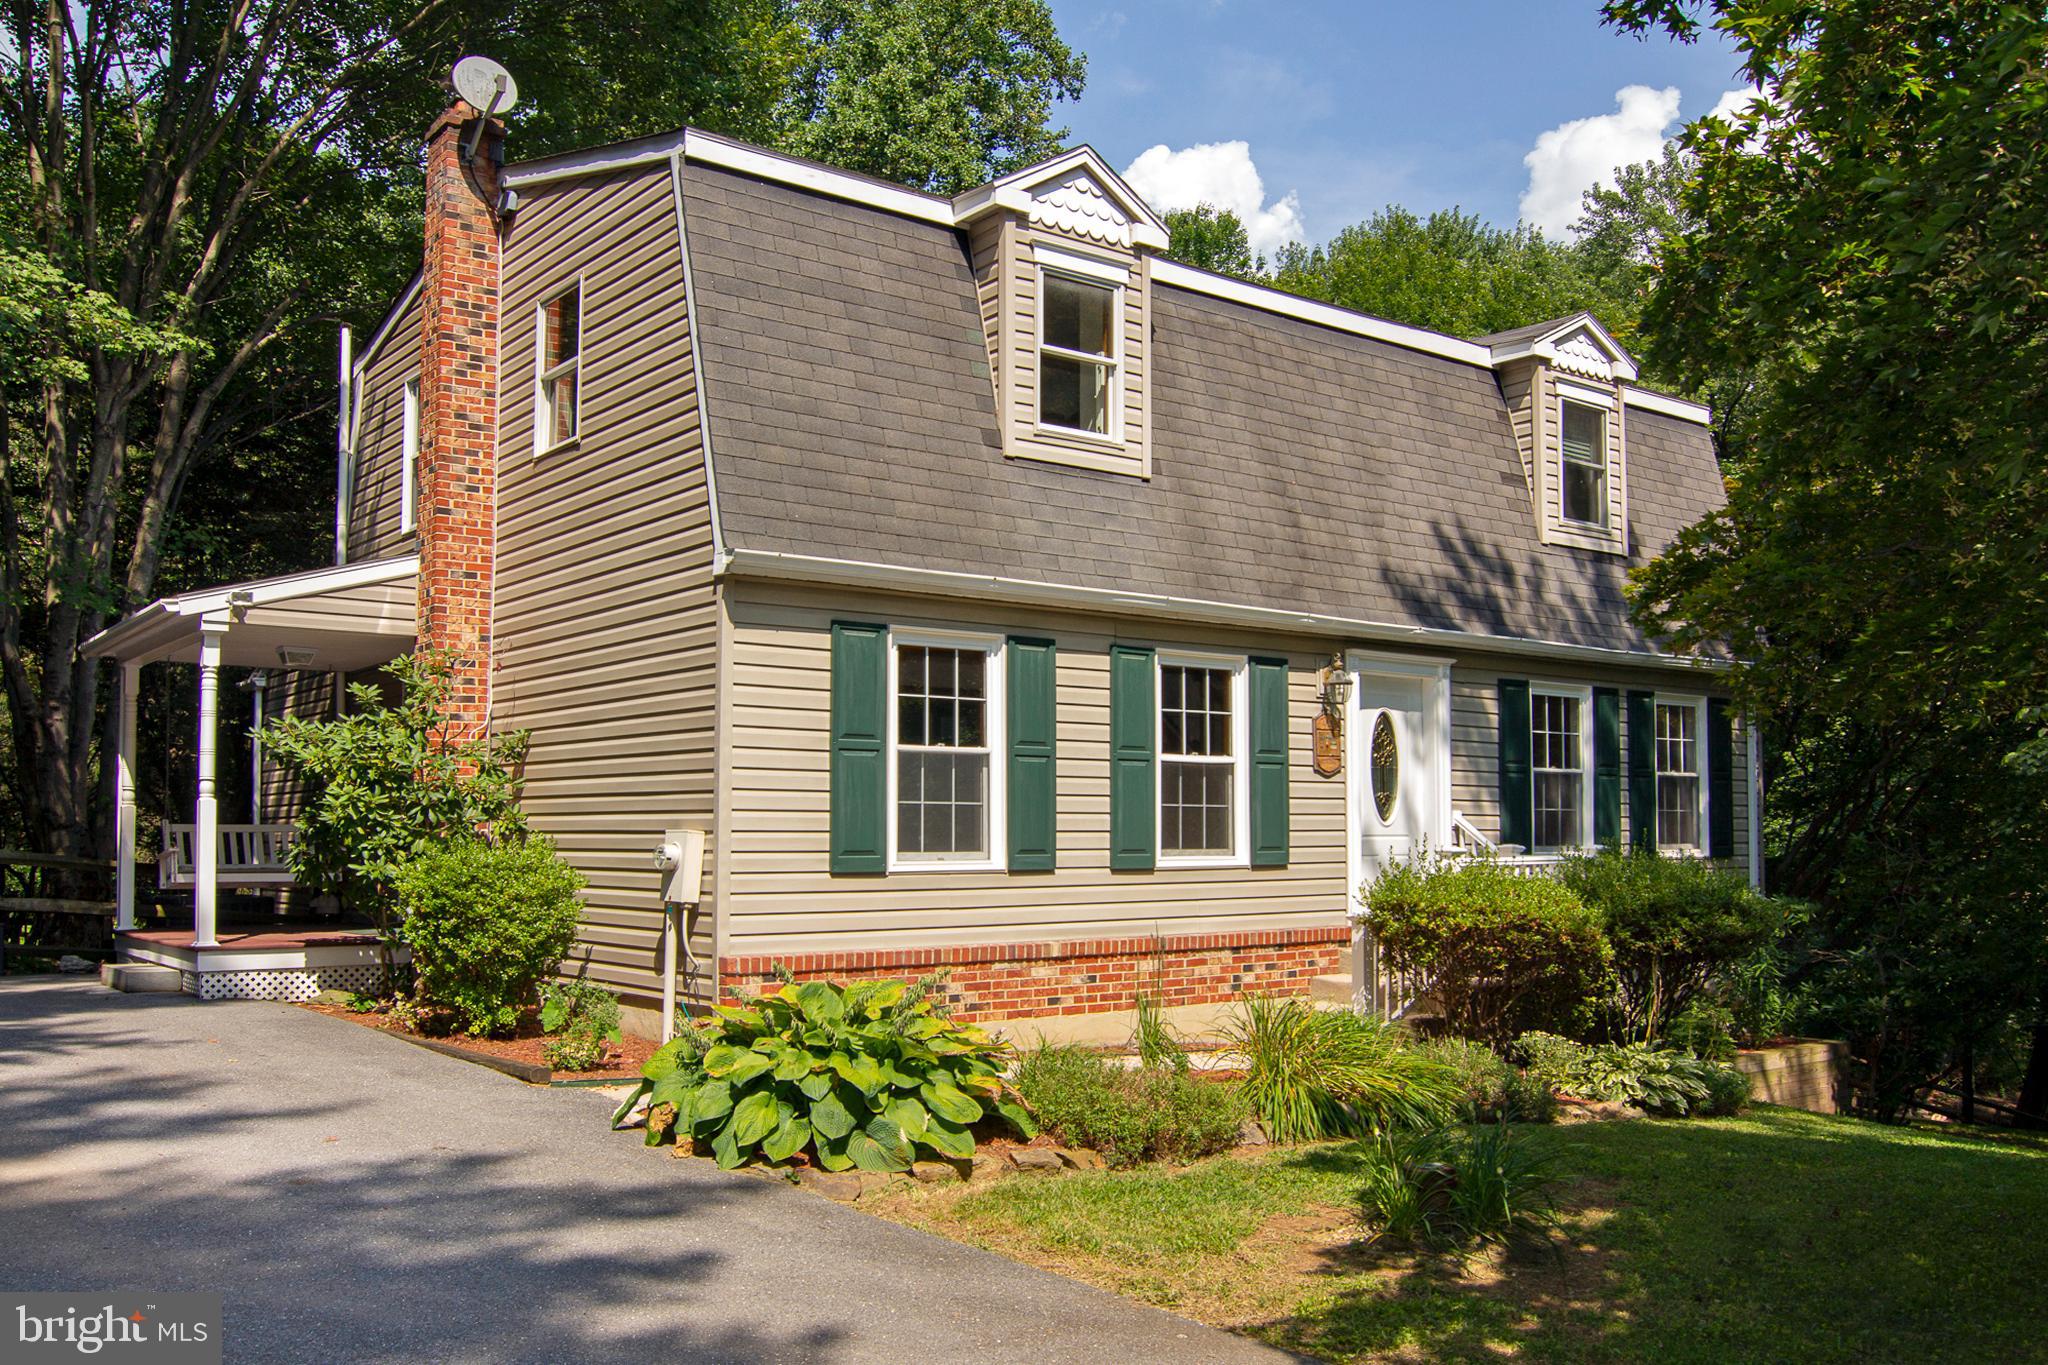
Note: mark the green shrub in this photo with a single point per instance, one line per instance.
(1674, 925)
(1442, 1186)
(1154, 1040)
(1727, 1092)
(1147, 1114)
(1705, 1029)
(582, 1017)
(1658, 1080)
(1315, 1073)
(487, 922)
(867, 1075)
(1757, 991)
(1495, 1090)
(1502, 954)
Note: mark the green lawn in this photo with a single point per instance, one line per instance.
(1778, 1236)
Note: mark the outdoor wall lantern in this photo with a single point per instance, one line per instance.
(1336, 687)
(296, 656)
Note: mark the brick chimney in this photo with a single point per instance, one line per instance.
(458, 474)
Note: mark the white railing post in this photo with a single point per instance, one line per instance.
(206, 816)
(124, 798)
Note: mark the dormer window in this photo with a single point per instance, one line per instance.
(1583, 478)
(1078, 388)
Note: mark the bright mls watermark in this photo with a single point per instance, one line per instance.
(168, 1329)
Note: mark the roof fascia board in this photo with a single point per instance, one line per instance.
(777, 565)
(1322, 314)
(619, 156)
(369, 571)
(1684, 409)
(1544, 347)
(712, 150)
(384, 329)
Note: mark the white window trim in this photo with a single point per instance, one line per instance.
(1698, 706)
(998, 754)
(409, 447)
(1240, 739)
(543, 409)
(1114, 439)
(1583, 694)
(1605, 412)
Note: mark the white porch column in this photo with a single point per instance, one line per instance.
(124, 796)
(205, 815)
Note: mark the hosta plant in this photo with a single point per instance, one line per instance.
(869, 1075)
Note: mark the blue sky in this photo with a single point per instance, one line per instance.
(1349, 107)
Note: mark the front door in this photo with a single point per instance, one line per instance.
(1394, 763)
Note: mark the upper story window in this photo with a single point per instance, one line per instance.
(1557, 753)
(1201, 758)
(1582, 489)
(560, 339)
(1678, 774)
(409, 457)
(1079, 386)
(946, 727)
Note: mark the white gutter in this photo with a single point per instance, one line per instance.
(781, 566)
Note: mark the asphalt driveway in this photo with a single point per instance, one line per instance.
(358, 1199)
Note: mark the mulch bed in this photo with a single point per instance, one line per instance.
(622, 1060)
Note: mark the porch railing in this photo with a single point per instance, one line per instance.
(245, 855)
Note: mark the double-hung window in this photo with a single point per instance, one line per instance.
(946, 727)
(409, 453)
(1079, 380)
(1679, 787)
(559, 328)
(1201, 760)
(1557, 752)
(1582, 472)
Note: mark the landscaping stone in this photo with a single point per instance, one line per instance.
(844, 1186)
(935, 1172)
(333, 997)
(982, 1166)
(1040, 1159)
(1252, 1133)
(1079, 1158)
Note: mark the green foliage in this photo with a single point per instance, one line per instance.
(1157, 1046)
(1210, 238)
(931, 93)
(1705, 1030)
(1659, 1080)
(1449, 272)
(1501, 953)
(1878, 226)
(1446, 1186)
(583, 1016)
(487, 922)
(1315, 1073)
(362, 1002)
(1129, 1116)
(386, 785)
(1495, 1091)
(866, 1076)
(1674, 925)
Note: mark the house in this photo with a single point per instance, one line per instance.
(995, 593)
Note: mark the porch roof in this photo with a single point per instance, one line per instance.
(351, 616)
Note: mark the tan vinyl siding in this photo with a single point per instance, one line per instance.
(782, 898)
(1518, 391)
(604, 620)
(375, 491)
(1475, 738)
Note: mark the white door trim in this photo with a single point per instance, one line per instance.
(1363, 663)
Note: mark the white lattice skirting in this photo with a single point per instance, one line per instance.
(281, 983)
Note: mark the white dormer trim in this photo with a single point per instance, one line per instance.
(1075, 192)
(1576, 345)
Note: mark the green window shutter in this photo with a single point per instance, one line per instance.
(1133, 780)
(1269, 762)
(1720, 779)
(860, 785)
(1517, 813)
(1642, 769)
(1032, 719)
(1606, 766)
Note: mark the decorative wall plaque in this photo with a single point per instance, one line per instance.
(1329, 745)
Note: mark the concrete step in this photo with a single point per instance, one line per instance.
(142, 977)
(1333, 989)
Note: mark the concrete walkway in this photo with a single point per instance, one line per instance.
(358, 1199)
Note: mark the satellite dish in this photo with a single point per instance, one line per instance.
(487, 86)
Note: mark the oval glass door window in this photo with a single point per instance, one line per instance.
(1386, 766)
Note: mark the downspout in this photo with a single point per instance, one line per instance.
(1756, 803)
(343, 446)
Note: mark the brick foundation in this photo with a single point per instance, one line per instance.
(1086, 976)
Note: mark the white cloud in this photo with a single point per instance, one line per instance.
(1731, 104)
(1220, 174)
(1572, 157)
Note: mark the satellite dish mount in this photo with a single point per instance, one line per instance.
(489, 89)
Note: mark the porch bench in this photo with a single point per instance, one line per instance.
(246, 855)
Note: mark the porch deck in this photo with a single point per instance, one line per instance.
(266, 960)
